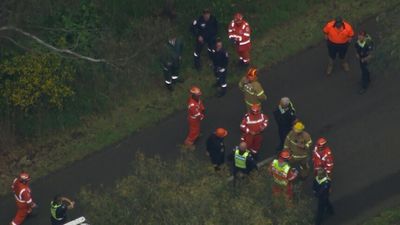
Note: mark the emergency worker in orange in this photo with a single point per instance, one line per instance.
(195, 116)
(23, 198)
(239, 33)
(283, 175)
(338, 34)
(252, 126)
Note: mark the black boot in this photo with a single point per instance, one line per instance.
(178, 80)
(169, 87)
(197, 64)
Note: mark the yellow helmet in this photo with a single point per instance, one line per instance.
(298, 127)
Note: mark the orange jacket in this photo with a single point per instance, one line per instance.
(323, 158)
(239, 32)
(338, 36)
(22, 192)
(195, 109)
(254, 123)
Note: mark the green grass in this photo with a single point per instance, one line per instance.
(189, 192)
(387, 217)
(281, 29)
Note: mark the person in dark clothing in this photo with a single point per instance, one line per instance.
(58, 209)
(364, 47)
(243, 161)
(216, 147)
(285, 116)
(220, 62)
(322, 189)
(205, 30)
(171, 58)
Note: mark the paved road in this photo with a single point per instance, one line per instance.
(361, 129)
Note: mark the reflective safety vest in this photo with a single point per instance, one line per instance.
(322, 180)
(53, 210)
(280, 172)
(240, 160)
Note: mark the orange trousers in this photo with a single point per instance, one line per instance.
(194, 131)
(23, 210)
(244, 53)
(253, 141)
(286, 191)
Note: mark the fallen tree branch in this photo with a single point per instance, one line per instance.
(63, 51)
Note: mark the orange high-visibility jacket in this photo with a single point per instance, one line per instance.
(240, 32)
(22, 192)
(195, 109)
(338, 36)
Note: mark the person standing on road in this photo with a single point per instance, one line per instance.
(338, 34)
(58, 209)
(23, 198)
(220, 60)
(205, 30)
(322, 157)
(216, 147)
(171, 62)
(322, 190)
(239, 33)
(298, 142)
(283, 176)
(253, 124)
(252, 89)
(243, 161)
(195, 116)
(364, 47)
(285, 116)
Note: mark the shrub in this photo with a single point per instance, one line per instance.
(188, 192)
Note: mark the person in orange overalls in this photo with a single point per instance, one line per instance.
(239, 33)
(338, 34)
(283, 175)
(253, 124)
(23, 198)
(322, 157)
(195, 116)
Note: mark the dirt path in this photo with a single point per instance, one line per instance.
(361, 130)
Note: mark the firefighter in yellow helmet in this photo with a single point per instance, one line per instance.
(252, 89)
(298, 142)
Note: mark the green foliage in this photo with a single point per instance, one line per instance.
(31, 81)
(187, 191)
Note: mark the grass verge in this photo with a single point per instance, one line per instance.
(297, 30)
(387, 217)
(187, 192)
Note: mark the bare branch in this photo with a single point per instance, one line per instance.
(63, 51)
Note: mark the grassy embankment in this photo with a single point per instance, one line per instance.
(187, 192)
(281, 28)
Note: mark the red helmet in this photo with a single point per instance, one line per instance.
(24, 177)
(238, 18)
(195, 90)
(255, 108)
(252, 74)
(285, 154)
(321, 142)
(221, 132)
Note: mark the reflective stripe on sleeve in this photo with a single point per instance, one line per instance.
(261, 93)
(244, 42)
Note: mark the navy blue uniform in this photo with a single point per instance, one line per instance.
(322, 189)
(208, 30)
(285, 119)
(363, 51)
(216, 150)
(220, 62)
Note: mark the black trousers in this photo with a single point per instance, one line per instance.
(221, 77)
(337, 49)
(171, 73)
(283, 132)
(199, 47)
(365, 76)
(324, 205)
